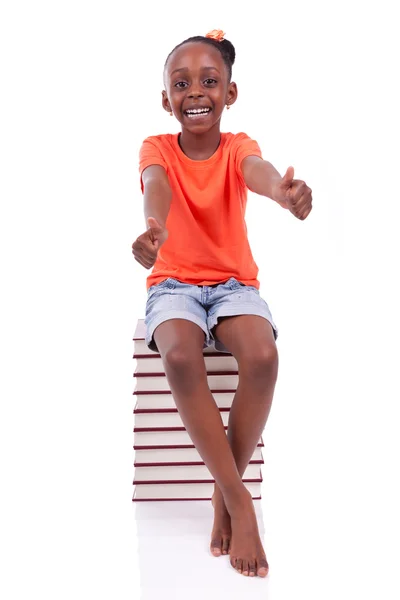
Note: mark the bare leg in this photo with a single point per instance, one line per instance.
(180, 344)
(250, 339)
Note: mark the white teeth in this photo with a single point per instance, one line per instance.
(195, 111)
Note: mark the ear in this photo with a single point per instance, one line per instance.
(232, 93)
(165, 102)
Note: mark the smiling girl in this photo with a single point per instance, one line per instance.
(203, 289)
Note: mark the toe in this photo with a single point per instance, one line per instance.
(215, 546)
(239, 565)
(245, 567)
(225, 545)
(263, 567)
(252, 568)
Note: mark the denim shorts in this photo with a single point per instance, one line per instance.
(172, 299)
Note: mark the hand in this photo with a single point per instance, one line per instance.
(147, 245)
(295, 194)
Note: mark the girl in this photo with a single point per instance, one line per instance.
(203, 288)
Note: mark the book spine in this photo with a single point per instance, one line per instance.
(178, 499)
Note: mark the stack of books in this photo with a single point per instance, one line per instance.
(167, 465)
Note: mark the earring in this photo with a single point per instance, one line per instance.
(170, 114)
(228, 106)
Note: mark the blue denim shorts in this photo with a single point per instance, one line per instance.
(172, 299)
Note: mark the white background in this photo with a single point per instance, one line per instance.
(81, 88)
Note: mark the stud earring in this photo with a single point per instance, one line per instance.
(228, 106)
(170, 114)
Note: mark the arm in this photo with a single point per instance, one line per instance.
(157, 202)
(262, 178)
(157, 194)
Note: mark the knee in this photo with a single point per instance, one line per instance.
(261, 363)
(181, 362)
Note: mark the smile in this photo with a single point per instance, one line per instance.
(197, 113)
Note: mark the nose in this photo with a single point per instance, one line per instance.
(195, 91)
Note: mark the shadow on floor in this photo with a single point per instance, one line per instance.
(174, 558)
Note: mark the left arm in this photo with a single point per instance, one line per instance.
(262, 178)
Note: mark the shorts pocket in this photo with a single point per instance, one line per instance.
(158, 286)
(238, 285)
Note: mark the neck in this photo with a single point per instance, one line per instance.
(200, 146)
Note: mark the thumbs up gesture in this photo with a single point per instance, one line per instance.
(147, 245)
(294, 194)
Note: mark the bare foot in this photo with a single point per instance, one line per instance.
(222, 532)
(247, 554)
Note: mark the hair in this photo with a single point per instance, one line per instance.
(225, 47)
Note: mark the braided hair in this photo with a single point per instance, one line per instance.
(225, 47)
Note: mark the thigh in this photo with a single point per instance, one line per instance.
(179, 336)
(180, 343)
(249, 338)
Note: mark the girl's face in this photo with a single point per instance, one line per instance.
(196, 77)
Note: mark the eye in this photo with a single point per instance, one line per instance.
(210, 81)
(180, 85)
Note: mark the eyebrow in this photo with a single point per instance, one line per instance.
(203, 68)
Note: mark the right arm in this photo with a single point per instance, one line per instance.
(157, 203)
(157, 194)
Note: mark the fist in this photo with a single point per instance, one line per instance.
(147, 245)
(295, 194)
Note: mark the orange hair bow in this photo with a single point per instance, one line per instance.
(216, 34)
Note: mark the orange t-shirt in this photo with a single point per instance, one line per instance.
(207, 241)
